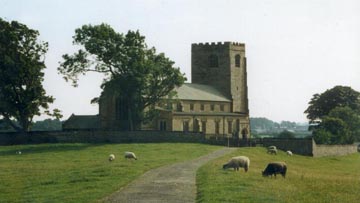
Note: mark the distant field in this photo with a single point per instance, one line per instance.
(328, 179)
(81, 172)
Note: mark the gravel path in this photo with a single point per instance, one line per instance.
(173, 183)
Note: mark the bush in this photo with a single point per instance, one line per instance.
(286, 134)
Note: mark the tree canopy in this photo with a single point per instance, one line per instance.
(133, 72)
(339, 96)
(22, 58)
(336, 115)
(286, 134)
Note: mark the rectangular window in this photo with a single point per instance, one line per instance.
(196, 125)
(212, 107)
(203, 127)
(179, 107)
(217, 127)
(202, 107)
(162, 126)
(186, 126)
(237, 125)
(222, 107)
(229, 127)
(191, 107)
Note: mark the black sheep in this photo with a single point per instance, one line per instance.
(275, 168)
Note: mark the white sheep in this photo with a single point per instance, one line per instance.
(130, 155)
(272, 151)
(272, 147)
(111, 157)
(237, 162)
(289, 153)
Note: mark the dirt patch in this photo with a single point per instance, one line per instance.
(173, 183)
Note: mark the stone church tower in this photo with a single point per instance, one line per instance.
(223, 66)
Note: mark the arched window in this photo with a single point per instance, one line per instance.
(237, 60)
(213, 61)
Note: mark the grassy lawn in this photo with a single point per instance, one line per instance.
(81, 172)
(328, 179)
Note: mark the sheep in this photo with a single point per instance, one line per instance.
(272, 147)
(18, 152)
(111, 157)
(275, 168)
(289, 153)
(237, 162)
(272, 151)
(130, 155)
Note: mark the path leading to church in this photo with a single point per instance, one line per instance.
(173, 183)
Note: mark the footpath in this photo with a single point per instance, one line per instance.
(174, 183)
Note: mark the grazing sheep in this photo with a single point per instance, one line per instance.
(272, 147)
(18, 152)
(130, 155)
(275, 168)
(111, 157)
(272, 151)
(289, 153)
(237, 162)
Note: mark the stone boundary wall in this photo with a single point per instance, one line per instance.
(112, 136)
(333, 150)
(302, 146)
(98, 137)
(308, 147)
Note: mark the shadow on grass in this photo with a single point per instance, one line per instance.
(34, 149)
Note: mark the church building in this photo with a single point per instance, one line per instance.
(215, 103)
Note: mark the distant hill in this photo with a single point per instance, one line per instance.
(266, 127)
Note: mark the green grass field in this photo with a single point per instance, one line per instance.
(317, 180)
(81, 172)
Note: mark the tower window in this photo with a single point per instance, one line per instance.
(202, 107)
(237, 60)
(212, 107)
(213, 61)
(191, 107)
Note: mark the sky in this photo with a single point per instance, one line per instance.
(294, 49)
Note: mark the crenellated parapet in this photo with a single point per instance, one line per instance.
(212, 44)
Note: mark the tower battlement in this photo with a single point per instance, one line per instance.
(207, 44)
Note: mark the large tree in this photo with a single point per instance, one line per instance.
(339, 96)
(21, 74)
(133, 72)
(335, 115)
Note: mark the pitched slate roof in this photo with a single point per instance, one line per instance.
(82, 122)
(192, 91)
